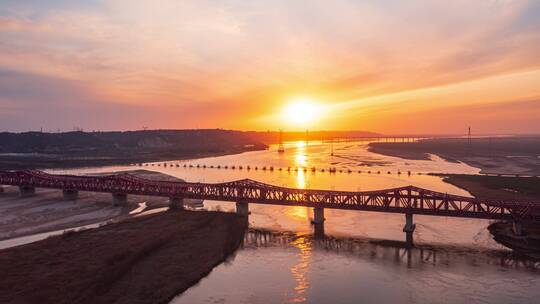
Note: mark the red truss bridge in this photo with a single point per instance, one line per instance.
(407, 200)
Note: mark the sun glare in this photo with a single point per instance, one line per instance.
(301, 111)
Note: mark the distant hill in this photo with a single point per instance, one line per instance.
(37, 149)
(109, 142)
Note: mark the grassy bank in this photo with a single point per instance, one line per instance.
(148, 259)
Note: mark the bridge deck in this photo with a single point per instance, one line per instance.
(408, 200)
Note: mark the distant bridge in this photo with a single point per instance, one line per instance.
(381, 138)
(407, 200)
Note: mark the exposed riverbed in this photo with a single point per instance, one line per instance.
(141, 260)
(49, 211)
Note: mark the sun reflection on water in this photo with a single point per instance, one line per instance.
(300, 156)
(298, 212)
(300, 270)
(301, 179)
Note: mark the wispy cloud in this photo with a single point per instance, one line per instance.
(244, 59)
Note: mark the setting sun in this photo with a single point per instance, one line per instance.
(301, 111)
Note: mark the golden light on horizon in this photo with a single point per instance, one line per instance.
(301, 111)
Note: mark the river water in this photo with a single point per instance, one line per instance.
(363, 258)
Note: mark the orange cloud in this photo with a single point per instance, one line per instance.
(235, 65)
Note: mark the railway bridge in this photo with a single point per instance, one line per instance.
(407, 200)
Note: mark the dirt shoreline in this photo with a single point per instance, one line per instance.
(149, 259)
(20, 163)
(505, 188)
(507, 155)
(48, 211)
(496, 187)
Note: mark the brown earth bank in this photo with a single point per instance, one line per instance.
(527, 244)
(497, 155)
(149, 259)
(497, 187)
(510, 189)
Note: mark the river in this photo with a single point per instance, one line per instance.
(456, 259)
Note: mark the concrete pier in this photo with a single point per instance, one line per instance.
(318, 222)
(318, 231)
(70, 195)
(242, 208)
(119, 199)
(176, 203)
(409, 228)
(517, 228)
(1, 189)
(318, 215)
(26, 191)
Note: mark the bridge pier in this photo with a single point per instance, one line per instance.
(318, 215)
(517, 228)
(242, 209)
(318, 231)
(70, 195)
(1, 189)
(119, 199)
(176, 203)
(409, 228)
(318, 222)
(26, 191)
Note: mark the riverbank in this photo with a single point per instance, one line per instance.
(527, 245)
(149, 259)
(510, 189)
(48, 211)
(500, 155)
(37, 150)
(496, 187)
(21, 162)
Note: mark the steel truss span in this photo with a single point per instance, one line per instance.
(408, 200)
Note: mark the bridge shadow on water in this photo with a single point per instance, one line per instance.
(395, 252)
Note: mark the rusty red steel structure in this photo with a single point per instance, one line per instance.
(407, 200)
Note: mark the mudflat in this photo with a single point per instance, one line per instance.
(500, 155)
(497, 187)
(148, 259)
(48, 211)
(505, 188)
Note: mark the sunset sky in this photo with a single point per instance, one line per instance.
(383, 66)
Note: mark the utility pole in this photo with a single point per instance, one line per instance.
(469, 141)
(281, 149)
